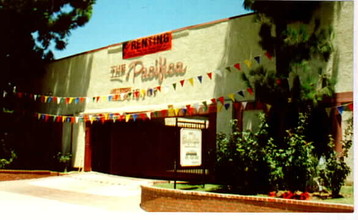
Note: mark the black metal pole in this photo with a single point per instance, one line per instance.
(175, 174)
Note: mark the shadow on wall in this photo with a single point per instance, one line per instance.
(241, 47)
(67, 78)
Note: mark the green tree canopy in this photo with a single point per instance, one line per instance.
(30, 29)
(301, 45)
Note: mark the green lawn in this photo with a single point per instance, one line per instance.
(346, 191)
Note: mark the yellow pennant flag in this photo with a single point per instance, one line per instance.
(232, 96)
(248, 63)
(191, 80)
(177, 111)
(219, 107)
(128, 116)
(268, 106)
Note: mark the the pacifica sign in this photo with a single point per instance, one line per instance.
(159, 70)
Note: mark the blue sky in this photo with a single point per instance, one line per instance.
(115, 21)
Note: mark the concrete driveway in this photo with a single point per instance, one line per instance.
(85, 194)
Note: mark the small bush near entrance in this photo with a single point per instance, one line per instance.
(252, 163)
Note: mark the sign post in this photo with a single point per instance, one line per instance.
(190, 151)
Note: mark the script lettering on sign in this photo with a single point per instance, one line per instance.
(160, 70)
(190, 147)
(148, 45)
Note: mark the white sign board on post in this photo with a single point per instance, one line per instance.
(190, 147)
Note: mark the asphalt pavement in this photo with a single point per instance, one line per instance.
(76, 195)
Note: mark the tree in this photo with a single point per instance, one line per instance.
(30, 30)
(302, 47)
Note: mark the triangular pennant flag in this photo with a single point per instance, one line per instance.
(244, 105)
(268, 55)
(237, 66)
(128, 116)
(77, 100)
(134, 117)
(210, 75)
(213, 100)
(232, 96)
(268, 106)
(35, 97)
(205, 104)
(182, 82)
(250, 90)
(98, 98)
(258, 59)
(340, 109)
(218, 72)
(200, 78)
(71, 100)
(164, 112)
(174, 86)
(142, 116)
(191, 80)
(227, 106)
(328, 111)
(82, 99)
(49, 100)
(142, 93)
(45, 99)
(219, 107)
(110, 97)
(158, 88)
(222, 99)
(241, 93)
(228, 69)
(149, 92)
(350, 106)
(176, 111)
(77, 119)
(149, 115)
(248, 63)
(38, 116)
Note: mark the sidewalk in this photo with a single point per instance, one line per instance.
(76, 194)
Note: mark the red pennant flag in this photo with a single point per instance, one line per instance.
(182, 82)
(213, 101)
(268, 55)
(222, 99)
(350, 107)
(159, 88)
(237, 66)
(250, 90)
(210, 75)
(164, 112)
(143, 116)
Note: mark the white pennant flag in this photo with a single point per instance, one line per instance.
(149, 115)
(244, 105)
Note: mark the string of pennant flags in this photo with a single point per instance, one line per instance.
(208, 106)
(213, 105)
(138, 93)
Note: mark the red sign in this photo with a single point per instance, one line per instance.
(148, 45)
